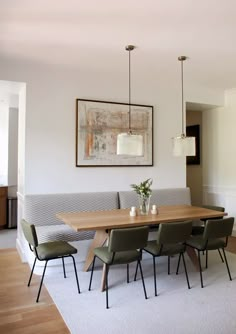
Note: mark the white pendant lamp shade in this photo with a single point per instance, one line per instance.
(182, 145)
(129, 144)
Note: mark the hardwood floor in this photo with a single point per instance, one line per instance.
(231, 245)
(19, 313)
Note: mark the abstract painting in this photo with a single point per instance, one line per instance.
(97, 125)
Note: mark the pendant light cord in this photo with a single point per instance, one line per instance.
(182, 59)
(129, 95)
(182, 87)
(129, 48)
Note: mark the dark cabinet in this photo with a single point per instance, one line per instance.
(3, 207)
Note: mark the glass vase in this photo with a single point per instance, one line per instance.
(144, 203)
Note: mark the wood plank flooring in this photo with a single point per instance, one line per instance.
(19, 313)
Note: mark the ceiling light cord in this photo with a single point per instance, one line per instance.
(181, 59)
(129, 92)
(129, 48)
(183, 145)
(182, 87)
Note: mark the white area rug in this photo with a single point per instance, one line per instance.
(175, 310)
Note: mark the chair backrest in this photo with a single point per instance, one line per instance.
(172, 233)
(29, 233)
(126, 239)
(218, 228)
(213, 207)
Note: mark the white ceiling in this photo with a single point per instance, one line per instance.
(92, 34)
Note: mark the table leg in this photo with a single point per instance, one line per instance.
(193, 257)
(103, 281)
(98, 241)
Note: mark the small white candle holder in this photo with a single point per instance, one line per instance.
(154, 210)
(133, 211)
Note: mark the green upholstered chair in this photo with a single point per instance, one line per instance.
(47, 251)
(170, 241)
(124, 247)
(215, 237)
(197, 230)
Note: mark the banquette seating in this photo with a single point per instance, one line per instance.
(41, 209)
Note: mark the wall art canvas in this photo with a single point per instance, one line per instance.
(97, 125)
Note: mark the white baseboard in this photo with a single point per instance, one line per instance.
(20, 251)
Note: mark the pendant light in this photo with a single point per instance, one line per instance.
(128, 143)
(182, 145)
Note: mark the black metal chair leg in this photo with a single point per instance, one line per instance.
(177, 270)
(32, 270)
(127, 273)
(106, 275)
(41, 281)
(226, 262)
(136, 271)
(155, 276)
(168, 265)
(200, 268)
(221, 256)
(63, 264)
(185, 269)
(206, 258)
(91, 276)
(76, 275)
(141, 272)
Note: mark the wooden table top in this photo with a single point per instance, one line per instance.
(108, 219)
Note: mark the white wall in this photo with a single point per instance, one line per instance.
(50, 127)
(21, 140)
(219, 154)
(4, 130)
(13, 147)
(8, 145)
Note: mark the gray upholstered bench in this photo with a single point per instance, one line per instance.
(41, 210)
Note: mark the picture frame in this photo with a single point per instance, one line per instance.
(194, 131)
(97, 125)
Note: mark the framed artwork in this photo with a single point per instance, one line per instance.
(97, 125)
(194, 131)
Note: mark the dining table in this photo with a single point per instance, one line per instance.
(102, 222)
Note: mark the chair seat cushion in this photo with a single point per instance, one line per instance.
(155, 249)
(120, 257)
(199, 243)
(52, 250)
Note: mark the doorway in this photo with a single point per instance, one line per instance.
(194, 171)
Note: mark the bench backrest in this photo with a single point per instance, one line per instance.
(41, 209)
(170, 196)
